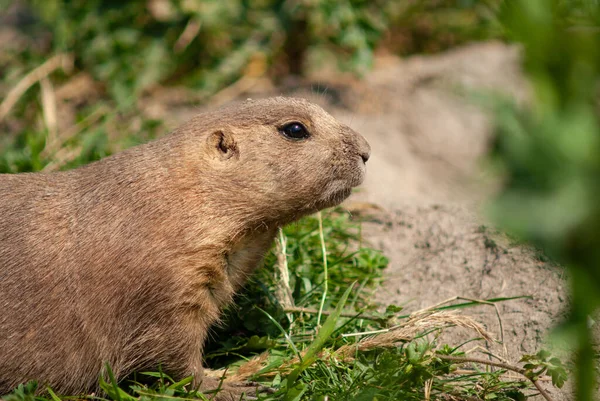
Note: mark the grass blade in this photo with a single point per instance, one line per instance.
(320, 340)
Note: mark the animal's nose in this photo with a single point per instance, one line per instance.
(362, 146)
(364, 149)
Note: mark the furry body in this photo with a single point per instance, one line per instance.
(129, 260)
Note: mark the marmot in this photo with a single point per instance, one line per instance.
(130, 259)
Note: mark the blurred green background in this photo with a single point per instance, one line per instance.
(102, 59)
(116, 53)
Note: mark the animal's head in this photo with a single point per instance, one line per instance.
(284, 156)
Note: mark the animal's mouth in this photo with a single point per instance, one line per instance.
(359, 177)
(335, 197)
(337, 190)
(357, 180)
(342, 194)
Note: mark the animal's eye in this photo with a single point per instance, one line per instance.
(295, 131)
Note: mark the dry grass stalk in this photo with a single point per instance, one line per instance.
(63, 61)
(283, 292)
(254, 73)
(79, 89)
(62, 157)
(427, 389)
(49, 108)
(406, 332)
(480, 301)
(55, 147)
(416, 324)
(190, 31)
(534, 381)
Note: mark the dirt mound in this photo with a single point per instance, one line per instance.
(442, 251)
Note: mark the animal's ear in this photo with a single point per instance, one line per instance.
(222, 145)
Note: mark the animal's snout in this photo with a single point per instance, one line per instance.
(357, 144)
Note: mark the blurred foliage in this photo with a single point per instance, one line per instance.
(549, 152)
(128, 50)
(130, 46)
(435, 25)
(27, 151)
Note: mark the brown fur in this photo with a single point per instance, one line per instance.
(130, 260)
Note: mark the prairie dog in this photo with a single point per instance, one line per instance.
(129, 260)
